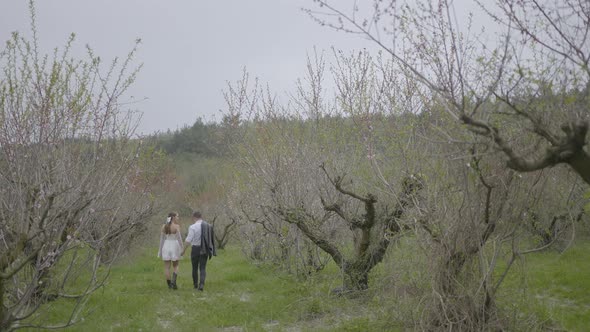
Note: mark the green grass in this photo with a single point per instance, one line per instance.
(553, 288)
(547, 290)
(238, 296)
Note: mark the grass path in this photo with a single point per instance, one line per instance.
(238, 297)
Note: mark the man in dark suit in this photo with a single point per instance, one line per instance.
(202, 241)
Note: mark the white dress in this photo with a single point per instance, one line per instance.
(170, 246)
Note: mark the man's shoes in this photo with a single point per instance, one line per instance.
(201, 288)
(169, 283)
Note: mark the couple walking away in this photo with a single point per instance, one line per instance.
(202, 241)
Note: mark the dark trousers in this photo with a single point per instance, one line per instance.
(199, 262)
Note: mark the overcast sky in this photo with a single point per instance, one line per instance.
(189, 49)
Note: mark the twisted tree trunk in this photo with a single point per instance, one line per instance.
(375, 231)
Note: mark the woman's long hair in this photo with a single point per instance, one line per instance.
(168, 224)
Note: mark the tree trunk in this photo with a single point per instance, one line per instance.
(2, 327)
(580, 162)
(356, 277)
(5, 321)
(463, 311)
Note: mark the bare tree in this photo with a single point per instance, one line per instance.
(224, 232)
(287, 150)
(523, 93)
(263, 236)
(473, 225)
(462, 220)
(526, 92)
(72, 193)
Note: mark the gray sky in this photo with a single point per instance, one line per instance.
(190, 48)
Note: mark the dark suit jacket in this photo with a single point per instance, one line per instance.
(207, 240)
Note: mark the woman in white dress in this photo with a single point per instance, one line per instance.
(170, 248)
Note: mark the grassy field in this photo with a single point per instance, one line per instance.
(554, 293)
(238, 296)
(551, 290)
